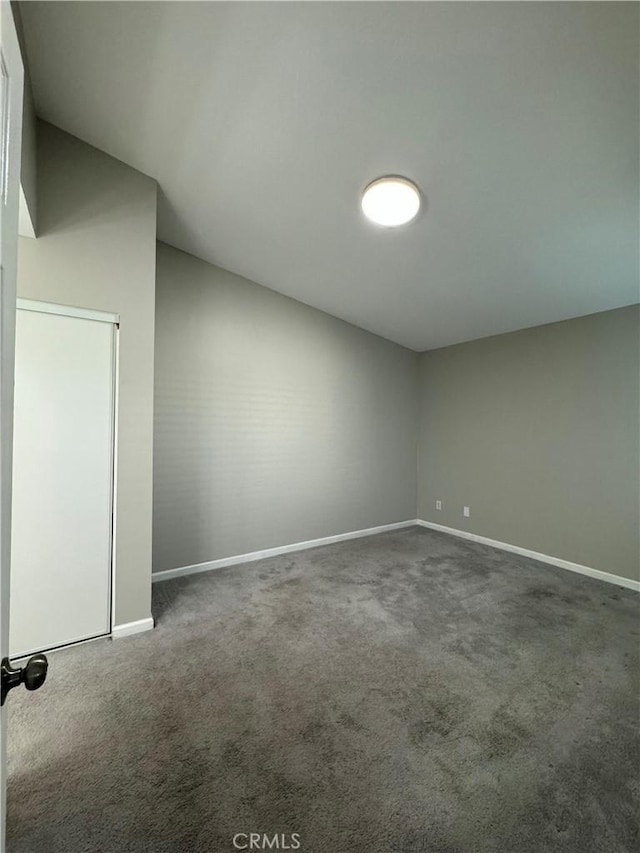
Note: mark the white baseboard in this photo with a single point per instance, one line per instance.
(167, 574)
(543, 558)
(129, 628)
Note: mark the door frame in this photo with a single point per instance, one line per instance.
(11, 115)
(114, 320)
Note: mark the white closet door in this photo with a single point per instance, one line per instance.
(62, 481)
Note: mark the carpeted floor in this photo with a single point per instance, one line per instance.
(407, 692)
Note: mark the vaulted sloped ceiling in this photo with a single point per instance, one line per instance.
(262, 122)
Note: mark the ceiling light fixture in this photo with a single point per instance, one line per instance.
(391, 201)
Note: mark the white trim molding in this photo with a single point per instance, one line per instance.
(534, 555)
(167, 574)
(129, 628)
(67, 310)
(114, 473)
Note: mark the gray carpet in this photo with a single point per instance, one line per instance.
(406, 692)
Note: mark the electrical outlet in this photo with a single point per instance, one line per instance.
(438, 504)
(466, 511)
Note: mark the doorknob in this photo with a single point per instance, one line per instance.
(33, 674)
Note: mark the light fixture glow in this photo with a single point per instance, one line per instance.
(391, 201)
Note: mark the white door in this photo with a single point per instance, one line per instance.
(62, 479)
(11, 82)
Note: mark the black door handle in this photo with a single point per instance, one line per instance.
(33, 674)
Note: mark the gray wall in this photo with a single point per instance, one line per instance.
(538, 433)
(28, 178)
(96, 249)
(274, 423)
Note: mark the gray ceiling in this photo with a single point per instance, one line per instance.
(262, 122)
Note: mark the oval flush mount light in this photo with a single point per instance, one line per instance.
(391, 201)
